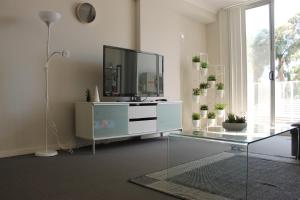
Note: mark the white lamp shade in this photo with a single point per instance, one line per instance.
(49, 16)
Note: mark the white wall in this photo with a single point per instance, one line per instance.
(213, 43)
(22, 55)
(161, 28)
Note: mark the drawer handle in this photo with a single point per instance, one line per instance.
(143, 104)
(143, 119)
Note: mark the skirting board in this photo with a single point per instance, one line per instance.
(30, 150)
(78, 144)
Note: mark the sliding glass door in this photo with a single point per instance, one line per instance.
(287, 60)
(272, 53)
(260, 62)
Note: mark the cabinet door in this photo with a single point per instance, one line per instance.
(168, 117)
(110, 121)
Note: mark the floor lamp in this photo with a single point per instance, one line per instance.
(49, 17)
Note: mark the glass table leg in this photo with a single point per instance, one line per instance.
(247, 173)
(298, 137)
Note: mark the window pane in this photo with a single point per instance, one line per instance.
(287, 45)
(258, 64)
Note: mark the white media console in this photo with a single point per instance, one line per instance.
(109, 120)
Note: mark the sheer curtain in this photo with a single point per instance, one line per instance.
(233, 58)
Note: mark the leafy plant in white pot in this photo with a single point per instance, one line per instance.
(220, 90)
(203, 111)
(203, 88)
(211, 81)
(196, 120)
(196, 95)
(204, 69)
(196, 62)
(220, 108)
(234, 123)
(211, 118)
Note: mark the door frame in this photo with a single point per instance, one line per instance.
(272, 52)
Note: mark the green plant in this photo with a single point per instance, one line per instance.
(196, 116)
(204, 65)
(203, 85)
(211, 115)
(231, 118)
(204, 107)
(211, 78)
(88, 95)
(196, 59)
(220, 106)
(196, 91)
(240, 119)
(220, 86)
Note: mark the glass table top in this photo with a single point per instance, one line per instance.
(251, 134)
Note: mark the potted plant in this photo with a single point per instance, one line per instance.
(203, 88)
(196, 62)
(220, 90)
(220, 109)
(211, 118)
(234, 123)
(211, 81)
(203, 111)
(196, 95)
(204, 70)
(196, 120)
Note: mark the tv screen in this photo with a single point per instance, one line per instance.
(128, 73)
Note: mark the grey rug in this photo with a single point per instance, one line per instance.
(226, 179)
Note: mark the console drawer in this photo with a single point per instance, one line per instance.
(136, 127)
(136, 112)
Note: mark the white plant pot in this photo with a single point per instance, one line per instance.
(211, 84)
(220, 113)
(211, 122)
(203, 113)
(220, 93)
(204, 71)
(196, 65)
(196, 98)
(204, 92)
(196, 123)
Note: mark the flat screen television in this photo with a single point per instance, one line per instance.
(131, 73)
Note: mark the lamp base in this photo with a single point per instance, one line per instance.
(47, 153)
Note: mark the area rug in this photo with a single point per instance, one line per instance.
(223, 176)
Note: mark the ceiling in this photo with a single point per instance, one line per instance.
(204, 11)
(214, 5)
(218, 4)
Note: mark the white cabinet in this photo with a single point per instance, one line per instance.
(107, 120)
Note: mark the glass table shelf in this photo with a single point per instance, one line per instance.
(253, 133)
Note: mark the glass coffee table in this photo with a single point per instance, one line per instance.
(231, 165)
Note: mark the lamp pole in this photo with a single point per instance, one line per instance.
(47, 88)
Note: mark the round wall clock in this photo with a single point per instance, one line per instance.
(85, 12)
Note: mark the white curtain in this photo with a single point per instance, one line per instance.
(233, 58)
